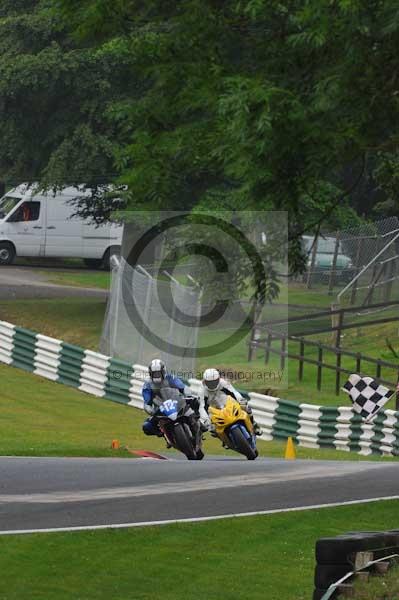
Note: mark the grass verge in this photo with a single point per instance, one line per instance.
(89, 279)
(75, 320)
(253, 557)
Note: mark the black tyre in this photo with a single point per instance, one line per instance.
(93, 263)
(242, 444)
(200, 455)
(318, 594)
(338, 550)
(7, 253)
(107, 256)
(183, 442)
(325, 575)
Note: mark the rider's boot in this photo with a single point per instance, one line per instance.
(255, 425)
(257, 428)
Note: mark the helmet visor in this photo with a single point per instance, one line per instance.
(212, 385)
(156, 376)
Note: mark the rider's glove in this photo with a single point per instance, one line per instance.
(205, 425)
(149, 409)
(193, 402)
(212, 430)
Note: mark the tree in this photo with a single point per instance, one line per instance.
(255, 104)
(54, 97)
(261, 104)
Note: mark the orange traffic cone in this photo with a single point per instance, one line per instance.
(115, 445)
(290, 453)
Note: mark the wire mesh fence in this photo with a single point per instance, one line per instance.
(357, 266)
(136, 328)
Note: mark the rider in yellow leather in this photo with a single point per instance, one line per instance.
(215, 390)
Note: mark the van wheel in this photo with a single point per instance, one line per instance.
(107, 256)
(7, 253)
(93, 263)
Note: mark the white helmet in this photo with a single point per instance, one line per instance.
(211, 379)
(157, 370)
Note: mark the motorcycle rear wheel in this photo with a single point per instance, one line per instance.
(183, 443)
(242, 444)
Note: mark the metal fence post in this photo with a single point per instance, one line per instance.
(357, 266)
(319, 367)
(268, 344)
(334, 320)
(172, 320)
(283, 350)
(358, 362)
(338, 372)
(391, 275)
(147, 307)
(334, 265)
(312, 263)
(339, 325)
(117, 272)
(301, 358)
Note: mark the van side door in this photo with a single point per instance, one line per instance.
(63, 231)
(26, 228)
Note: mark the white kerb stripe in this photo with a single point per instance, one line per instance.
(93, 376)
(47, 357)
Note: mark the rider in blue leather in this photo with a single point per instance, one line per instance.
(156, 390)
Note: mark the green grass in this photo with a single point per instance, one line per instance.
(268, 557)
(296, 294)
(377, 587)
(89, 279)
(42, 418)
(316, 296)
(76, 320)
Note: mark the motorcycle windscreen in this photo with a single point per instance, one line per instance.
(173, 403)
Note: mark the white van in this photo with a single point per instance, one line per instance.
(42, 225)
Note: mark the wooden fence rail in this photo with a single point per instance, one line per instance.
(284, 352)
(337, 319)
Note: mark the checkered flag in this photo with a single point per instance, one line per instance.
(368, 396)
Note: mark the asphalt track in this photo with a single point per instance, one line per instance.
(47, 493)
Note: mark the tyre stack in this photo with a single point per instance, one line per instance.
(335, 557)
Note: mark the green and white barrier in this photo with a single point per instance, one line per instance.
(309, 425)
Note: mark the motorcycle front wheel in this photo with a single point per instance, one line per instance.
(241, 444)
(183, 443)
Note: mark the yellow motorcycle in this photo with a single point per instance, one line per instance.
(233, 426)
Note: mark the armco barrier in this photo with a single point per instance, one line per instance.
(309, 425)
(349, 553)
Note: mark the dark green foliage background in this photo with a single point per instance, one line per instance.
(256, 104)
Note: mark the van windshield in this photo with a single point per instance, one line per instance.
(7, 204)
